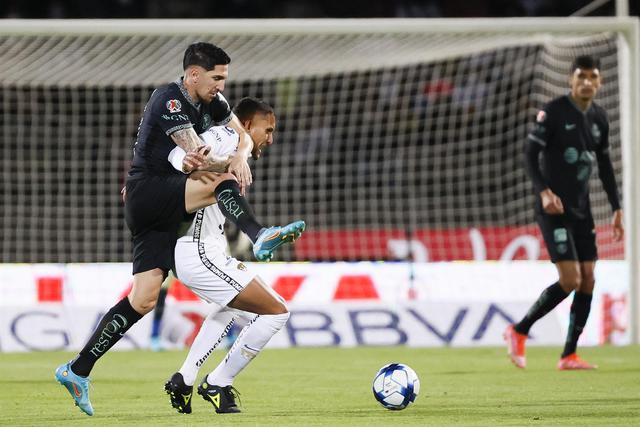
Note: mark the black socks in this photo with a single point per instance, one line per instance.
(235, 208)
(577, 320)
(112, 326)
(546, 302)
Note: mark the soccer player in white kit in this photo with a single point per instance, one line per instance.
(203, 265)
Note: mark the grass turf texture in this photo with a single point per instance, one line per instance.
(329, 386)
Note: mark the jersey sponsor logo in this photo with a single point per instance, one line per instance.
(595, 131)
(175, 117)
(174, 106)
(571, 155)
(569, 126)
(541, 117)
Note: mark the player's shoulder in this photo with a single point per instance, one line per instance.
(551, 109)
(557, 104)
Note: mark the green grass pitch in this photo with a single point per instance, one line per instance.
(328, 386)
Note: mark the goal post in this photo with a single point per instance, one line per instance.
(400, 100)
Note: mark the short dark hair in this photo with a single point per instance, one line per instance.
(248, 107)
(205, 55)
(586, 62)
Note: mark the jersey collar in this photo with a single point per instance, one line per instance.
(572, 102)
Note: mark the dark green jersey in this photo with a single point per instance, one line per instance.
(571, 141)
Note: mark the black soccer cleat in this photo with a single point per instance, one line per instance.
(223, 399)
(179, 393)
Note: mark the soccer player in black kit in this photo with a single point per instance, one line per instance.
(158, 198)
(571, 132)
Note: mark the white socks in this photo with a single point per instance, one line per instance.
(250, 342)
(214, 328)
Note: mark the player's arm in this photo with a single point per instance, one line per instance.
(238, 165)
(608, 178)
(195, 152)
(537, 140)
(186, 162)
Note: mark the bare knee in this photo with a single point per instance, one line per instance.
(571, 282)
(144, 293)
(280, 308)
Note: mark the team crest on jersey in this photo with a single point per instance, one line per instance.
(541, 117)
(174, 106)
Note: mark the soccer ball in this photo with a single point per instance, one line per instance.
(395, 386)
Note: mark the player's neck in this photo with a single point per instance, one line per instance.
(582, 103)
(191, 90)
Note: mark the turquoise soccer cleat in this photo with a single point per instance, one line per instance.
(77, 386)
(274, 237)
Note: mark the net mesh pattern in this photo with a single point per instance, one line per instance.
(380, 138)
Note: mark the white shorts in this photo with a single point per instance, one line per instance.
(210, 273)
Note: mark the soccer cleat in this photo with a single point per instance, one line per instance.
(273, 237)
(573, 362)
(222, 398)
(516, 346)
(77, 386)
(179, 393)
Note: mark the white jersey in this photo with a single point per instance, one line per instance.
(208, 225)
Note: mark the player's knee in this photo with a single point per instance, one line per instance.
(571, 282)
(143, 304)
(281, 308)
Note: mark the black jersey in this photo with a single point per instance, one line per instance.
(570, 141)
(170, 108)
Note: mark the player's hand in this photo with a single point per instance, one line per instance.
(240, 168)
(195, 158)
(618, 225)
(551, 204)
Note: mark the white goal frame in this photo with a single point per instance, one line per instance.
(628, 29)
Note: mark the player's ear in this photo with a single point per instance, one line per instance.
(247, 124)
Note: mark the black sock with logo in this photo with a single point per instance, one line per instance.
(546, 302)
(236, 209)
(112, 326)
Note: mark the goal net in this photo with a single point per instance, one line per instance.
(394, 140)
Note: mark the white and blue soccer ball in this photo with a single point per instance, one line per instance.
(396, 386)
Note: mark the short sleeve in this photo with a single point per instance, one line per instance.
(543, 127)
(220, 111)
(170, 114)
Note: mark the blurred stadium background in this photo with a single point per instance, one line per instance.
(399, 141)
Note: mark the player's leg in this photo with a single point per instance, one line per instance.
(581, 305)
(206, 188)
(158, 312)
(212, 331)
(272, 315)
(113, 325)
(153, 208)
(563, 253)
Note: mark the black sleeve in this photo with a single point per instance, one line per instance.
(537, 140)
(167, 110)
(606, 173)
(531, 162)
(220, 110)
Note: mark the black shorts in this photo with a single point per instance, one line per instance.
(568, 239)
(154, 209)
